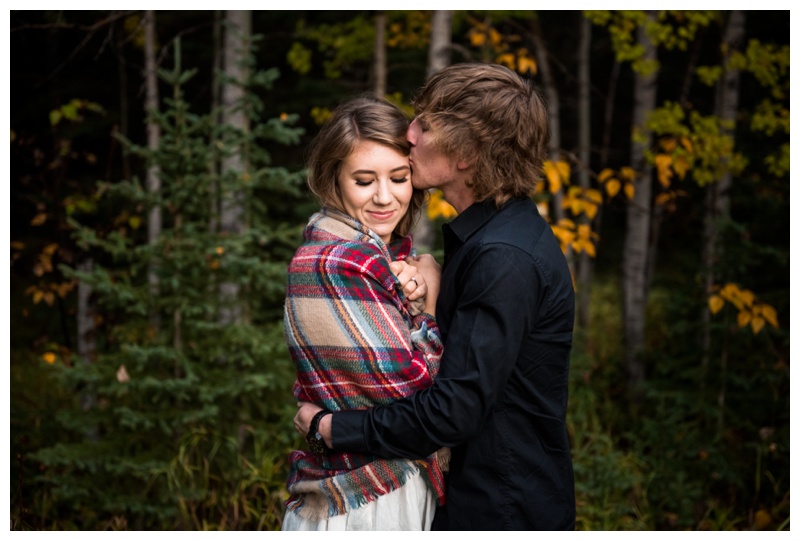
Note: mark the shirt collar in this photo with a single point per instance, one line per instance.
(469, 221)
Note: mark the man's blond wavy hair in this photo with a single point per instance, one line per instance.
(492, 118)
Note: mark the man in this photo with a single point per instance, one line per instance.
(505, 310)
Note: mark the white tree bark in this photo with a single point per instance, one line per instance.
(585, 263)
(380, 54)
(237, 35)
(637, 232)
(553, 111)
(717, 194)
(441, 42)
(153, 182)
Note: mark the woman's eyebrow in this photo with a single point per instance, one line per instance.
(369, 171)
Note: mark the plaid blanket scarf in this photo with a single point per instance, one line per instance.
(356, 342)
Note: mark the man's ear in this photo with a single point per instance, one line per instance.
(464, 164)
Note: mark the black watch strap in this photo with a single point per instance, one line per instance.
(314, 439)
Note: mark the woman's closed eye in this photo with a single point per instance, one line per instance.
(400, 180)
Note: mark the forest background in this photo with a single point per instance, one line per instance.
(157, 194)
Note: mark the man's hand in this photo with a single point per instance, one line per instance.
(302, 421)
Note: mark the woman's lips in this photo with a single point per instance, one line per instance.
(381, 215)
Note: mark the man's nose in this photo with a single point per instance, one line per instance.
(411, 133)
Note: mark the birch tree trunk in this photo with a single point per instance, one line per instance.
(438, 58)
(213, 166)
(237, 34)
(441, 41)
(123, 100)
(153, 182)
(553, 113)
(585, 263)
(637, 231)
(380, 54)
(717, 200)
(85, 319)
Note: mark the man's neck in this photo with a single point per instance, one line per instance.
(459, 195)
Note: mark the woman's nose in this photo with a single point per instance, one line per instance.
(383, 195)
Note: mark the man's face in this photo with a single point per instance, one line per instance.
(430, 168)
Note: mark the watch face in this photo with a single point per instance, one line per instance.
(317, 444)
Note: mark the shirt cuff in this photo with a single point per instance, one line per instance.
(347, 431)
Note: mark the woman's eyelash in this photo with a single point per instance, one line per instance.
(368, 182)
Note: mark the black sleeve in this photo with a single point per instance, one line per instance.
(496, 308)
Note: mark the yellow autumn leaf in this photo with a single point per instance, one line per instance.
(629, 191)
(681, 166)
(715, 303)
(590, 249)
(527, 65)
(729, 291)
(593, 195)
(507, 60)
(687, 144)
(628, 173)
(732, 293)
(220, 250)
(590, 209)
(747, 297)
(438, 207)
(477, 38)
(762, 519)
(613, 187)
(663, 198)
(770, 315)
(604, 175)
(743, 318)
(567, 224)
(39, 219)
(49, 357)
(495, 37)
(553, 177)
(663, 161)
(584, 231)
(757, 324)
(563, 169)
(669, 144)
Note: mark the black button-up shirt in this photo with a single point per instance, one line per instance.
(506, 311)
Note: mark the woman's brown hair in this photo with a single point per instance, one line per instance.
(360, 119)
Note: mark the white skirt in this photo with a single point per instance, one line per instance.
(409, 508)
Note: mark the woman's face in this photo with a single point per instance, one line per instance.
(375, 186)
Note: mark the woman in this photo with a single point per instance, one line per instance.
(358, 334)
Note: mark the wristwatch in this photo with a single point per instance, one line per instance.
(314, 438)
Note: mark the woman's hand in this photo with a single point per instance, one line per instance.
(419, 276)
(412, 282)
